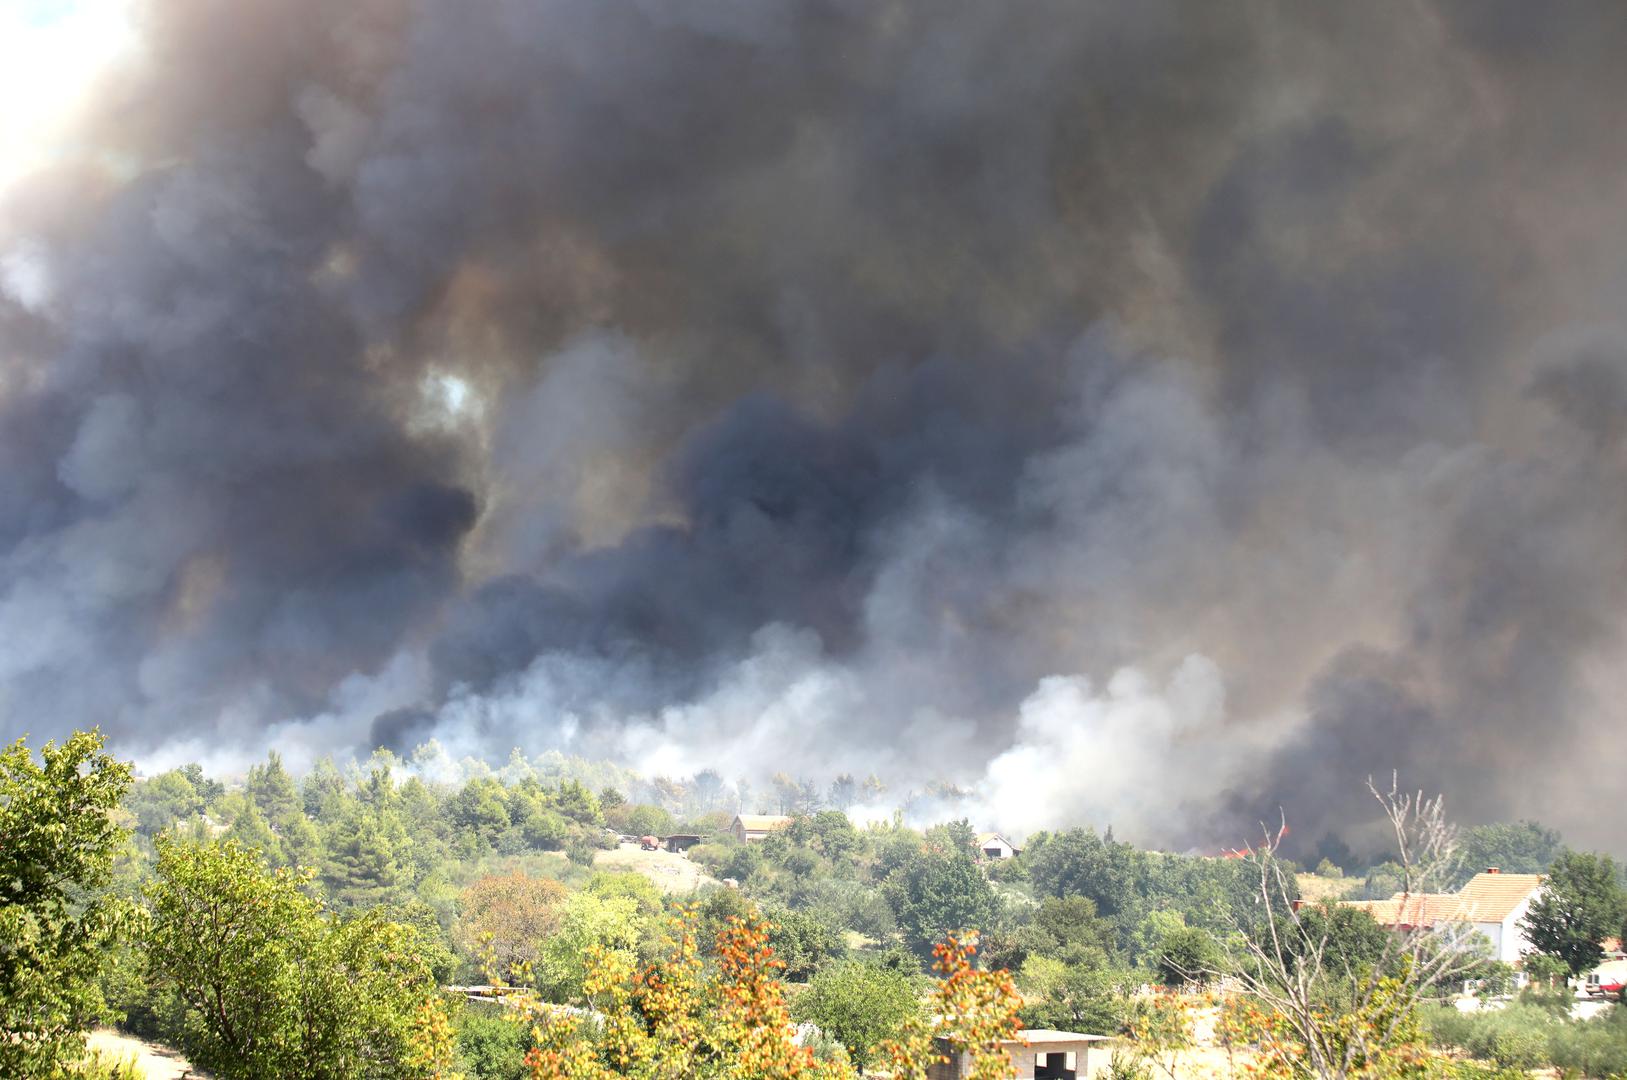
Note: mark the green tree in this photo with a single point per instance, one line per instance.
(272, 985)
(861, 1005)
(937, 893)
(1383, 881)
(323, 793)
(1523, 847)
(638, 819)
(368, 855)
(1080, 863)
(480, 809)
(1069, 928)
(588, 921)
(207, 789)
(273, 791)
(1582, 905)
(1344, 940)
(162, 801)
(57, 841)
(576, 802)
(251, 830)
(803, 943)
(491, 1046)
(1075, 997)
(1187, 955)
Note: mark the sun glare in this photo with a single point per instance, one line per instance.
(51, 52)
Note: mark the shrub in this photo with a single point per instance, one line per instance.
(1518, 1037)
(100, 1066)
(860, 1005)
(711, 856)
(581, 851)
(491, 1046)
(1007, 870)
(1596, 1047)
(1518, 1048)
(1124, 1066)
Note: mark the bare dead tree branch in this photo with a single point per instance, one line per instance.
(1291, 964)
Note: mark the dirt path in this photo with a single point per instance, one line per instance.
(158, 1062)
(671, 873)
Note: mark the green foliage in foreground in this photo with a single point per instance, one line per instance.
(57, 839)
(860, 1004)
(1527, 1036)
(272, 985)
(491, 1045)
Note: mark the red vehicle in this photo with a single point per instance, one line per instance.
(1609, 979)
(649, 843)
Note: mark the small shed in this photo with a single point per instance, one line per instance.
(756, 826)
(678, 843)
(1037, 1054)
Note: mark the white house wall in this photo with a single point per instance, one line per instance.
(1494, 934)
(1516, 944)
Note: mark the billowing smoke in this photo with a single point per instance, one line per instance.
(1148, 414)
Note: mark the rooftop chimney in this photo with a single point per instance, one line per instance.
(1494, 870)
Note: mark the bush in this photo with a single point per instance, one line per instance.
(711, 856)
(1515, 1038)
(860, 1005)
(581, 851)
(640, 820)
(99, 1066)
(743, 862)
(1007, 870)
(802, 943)
(1479, 1070)
(1496, 979)
(1518, 1048)
(491, 1046)
(1525, 1036)
(1125, 1066)
(1596, 1047)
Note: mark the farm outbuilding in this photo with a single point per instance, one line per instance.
(756, 826)
(1037, 1054)
(678, 843)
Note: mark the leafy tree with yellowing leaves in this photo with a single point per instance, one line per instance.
(681, 1019)
(507, 917)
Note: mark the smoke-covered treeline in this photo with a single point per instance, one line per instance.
(1148, 413)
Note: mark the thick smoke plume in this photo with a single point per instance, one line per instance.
(1148, 414)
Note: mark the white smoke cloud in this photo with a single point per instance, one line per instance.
(1131, 753)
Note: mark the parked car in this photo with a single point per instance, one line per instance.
(1609, 979)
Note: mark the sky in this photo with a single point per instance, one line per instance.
(1157, 415)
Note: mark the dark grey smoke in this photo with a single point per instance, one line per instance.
(800, 386)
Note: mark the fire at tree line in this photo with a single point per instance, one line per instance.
(395, 919)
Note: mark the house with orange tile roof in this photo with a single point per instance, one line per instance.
(1492, 902)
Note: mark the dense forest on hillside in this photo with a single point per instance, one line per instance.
(221, 914)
